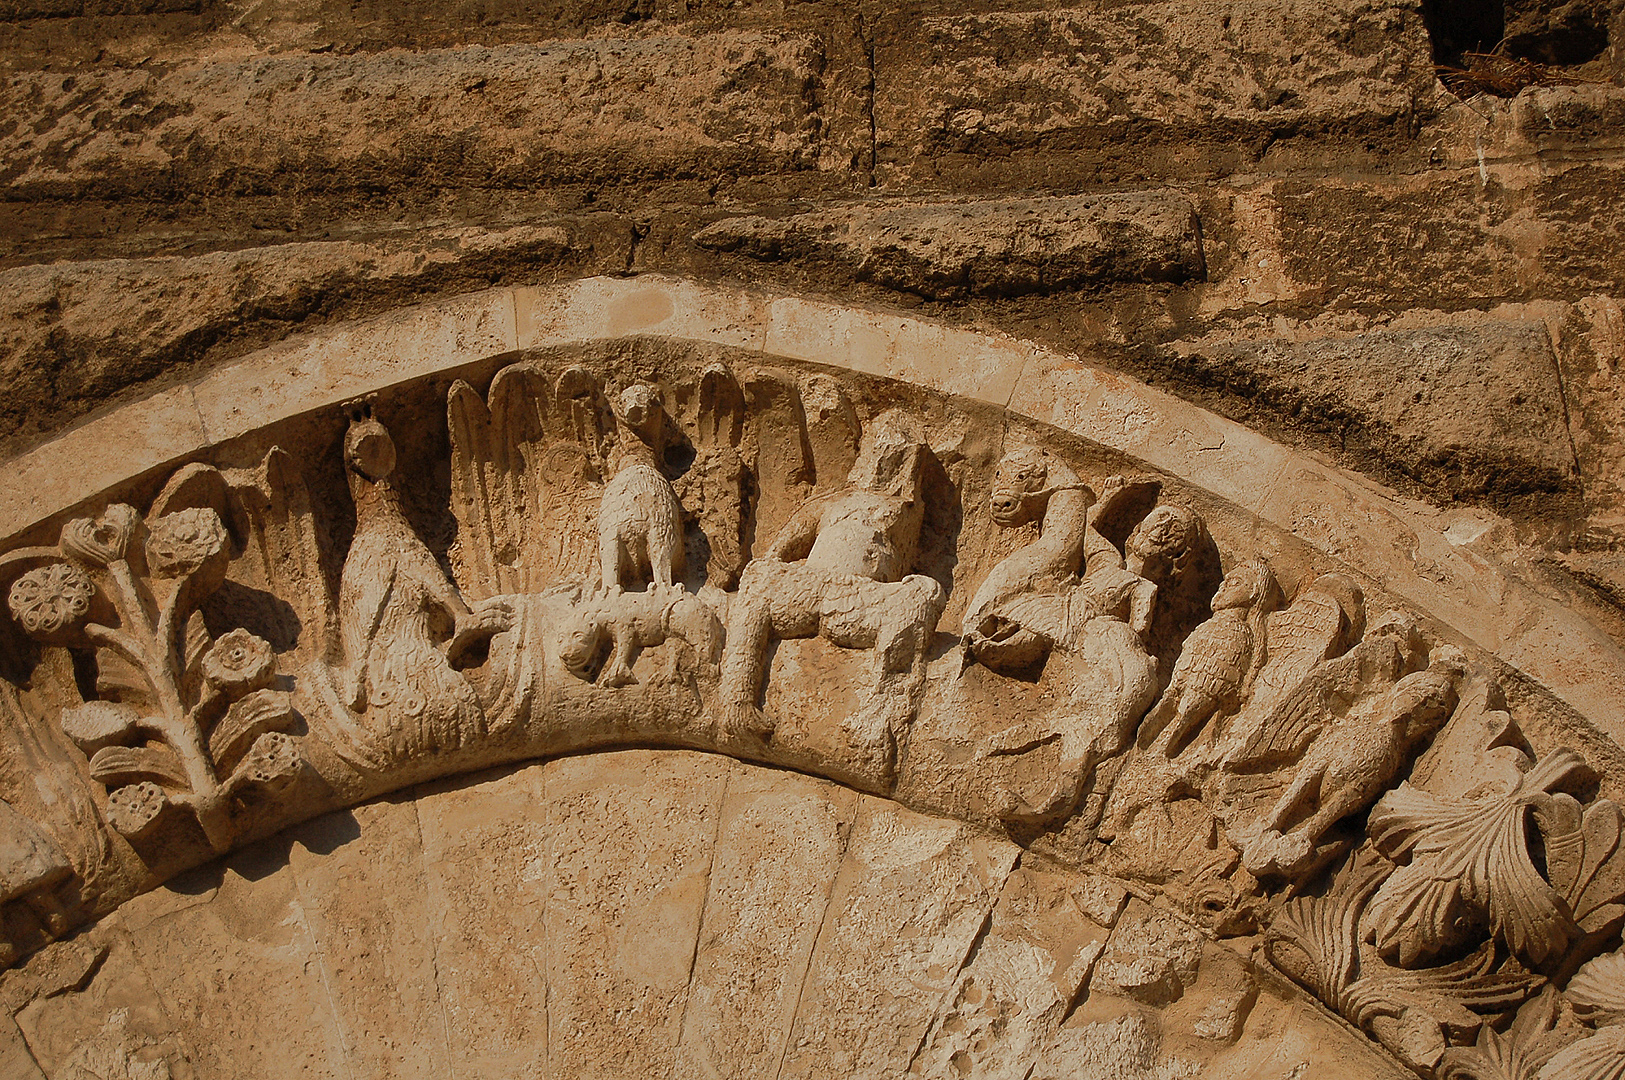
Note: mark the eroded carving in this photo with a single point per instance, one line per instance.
(840, 570)
(647, 548)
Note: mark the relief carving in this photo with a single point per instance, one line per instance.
(840, 569)
(645, 547)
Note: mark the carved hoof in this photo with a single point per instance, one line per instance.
(746, 722)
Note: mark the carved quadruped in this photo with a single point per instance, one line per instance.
(656, 545)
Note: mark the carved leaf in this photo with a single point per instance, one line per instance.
(116, 765)
(96, 724)
(1601, 1057)
(1587, 864)
(276, 508)
(1469, 862)
(247, 720)
(1597, 990)
(1456, 994)
(104, 540)
(1315, 940)
(1517, 1055)
(119, 679)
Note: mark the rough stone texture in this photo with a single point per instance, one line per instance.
(933, 931)
(1273, 210)
(983, 248)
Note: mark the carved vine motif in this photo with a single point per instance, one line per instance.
(647, 549)
(180, 719)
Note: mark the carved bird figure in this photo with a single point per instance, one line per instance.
(640, 521)
(1219, 662)
(1353, 763)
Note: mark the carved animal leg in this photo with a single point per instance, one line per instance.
(1193, 711)
(611, 556)
(1304, 789)
(749, 624)
(618, 670)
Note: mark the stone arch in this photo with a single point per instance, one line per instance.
(292, 729)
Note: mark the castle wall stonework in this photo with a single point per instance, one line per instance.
(602, 539)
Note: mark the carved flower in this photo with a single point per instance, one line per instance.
(184, 542)
(239, 663)
(51, 598)
(104, 540)
(135, 808)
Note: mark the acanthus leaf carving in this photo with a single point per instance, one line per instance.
(1468, 864)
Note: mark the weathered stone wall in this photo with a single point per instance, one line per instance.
(1275, 209)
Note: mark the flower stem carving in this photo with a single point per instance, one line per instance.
(192, 722)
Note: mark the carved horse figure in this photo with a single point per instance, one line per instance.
(839, 569)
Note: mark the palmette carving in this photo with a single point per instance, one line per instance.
(1469, 866)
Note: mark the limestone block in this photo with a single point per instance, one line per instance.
(1470, 410)
(1024, 977)
(484, 863)
(107, 1022)
(510, 113)
(1152, 955)
(909, 904)
(631, 840)
(1084, 75)
(985, 247)
(240, 972)
(779, 845)
(370, 911)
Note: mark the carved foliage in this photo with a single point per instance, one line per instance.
(1468, 865)
(169, 733)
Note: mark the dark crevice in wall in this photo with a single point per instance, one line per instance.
(1459, 26)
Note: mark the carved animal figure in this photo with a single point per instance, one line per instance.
(1030, 485)
(1219, 662)
(626, 622)
(1353, 763)
(395, 604)
(839, 570)
(640, 521)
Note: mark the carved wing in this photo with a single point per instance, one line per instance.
(1291, 726)
(276, 515)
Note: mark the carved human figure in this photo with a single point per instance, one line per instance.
(1031, 485)
(1219, 661)
(1098, 625)
(839, 569)
(1353, 763)
(403, 622)
(640, 521)
(603, 634)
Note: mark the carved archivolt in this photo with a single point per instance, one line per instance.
(915, 595)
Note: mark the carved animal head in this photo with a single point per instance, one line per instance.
(1164, 542)
(890, 458)
(581, 641)
(368, 449)
(641, 409)
(1021, 488)
(1249, 584)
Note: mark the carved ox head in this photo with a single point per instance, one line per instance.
(1021, 488)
